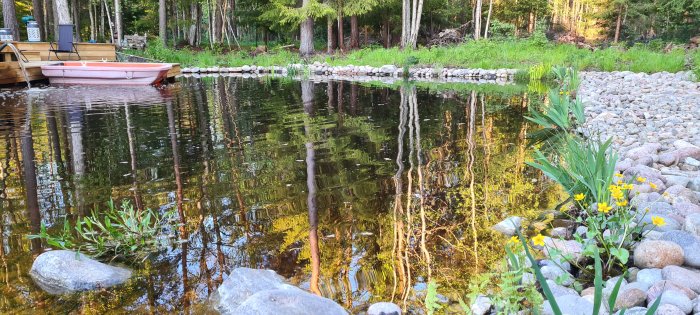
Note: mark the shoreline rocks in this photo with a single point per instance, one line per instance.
(63, 271)
(323, 69)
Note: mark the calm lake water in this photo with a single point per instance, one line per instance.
(365, 193)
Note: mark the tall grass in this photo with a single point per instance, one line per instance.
(491, 54)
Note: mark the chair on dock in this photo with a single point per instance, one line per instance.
(65, 42)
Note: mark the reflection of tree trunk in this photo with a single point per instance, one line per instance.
(54, 138)
(330, 90)
(30, 182)
(307, 96)
(132, 154)
(353, 98)
(413, 102)
(398, 246)
(470, 171)
(77, 156)
(341, 84)
(179, 203)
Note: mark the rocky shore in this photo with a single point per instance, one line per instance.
(654, 121)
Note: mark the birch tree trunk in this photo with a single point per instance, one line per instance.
(62, 14)
(411, 16)
(477, 19)
(38, 11)
(10, 17)
(306, 47)
(488, 20)
(118, 21)
(93, 22)
(162, 25)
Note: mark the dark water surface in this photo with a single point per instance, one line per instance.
(361, 193)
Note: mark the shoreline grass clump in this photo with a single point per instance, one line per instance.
(117, 233)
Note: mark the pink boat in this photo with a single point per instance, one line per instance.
(106, 73)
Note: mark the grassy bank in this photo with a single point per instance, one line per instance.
(515, 54)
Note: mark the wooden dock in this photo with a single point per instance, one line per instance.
(37, 55)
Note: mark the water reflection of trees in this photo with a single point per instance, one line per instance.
(364, 197)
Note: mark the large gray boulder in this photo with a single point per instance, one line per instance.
(288, 301)
(64, 271)
(255, 291)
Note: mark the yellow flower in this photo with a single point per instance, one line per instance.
(627, 186)
(658, 221)
(641, 179)
(652, 185)
(514, 240)
(613, 187)
(579, 197)
(538, 240)
(619, 182)
(618, 175)
(603, 207)
(621, 203)
(618, 194)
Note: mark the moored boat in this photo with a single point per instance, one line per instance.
(106, 73)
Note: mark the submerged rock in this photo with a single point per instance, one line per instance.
(288, 301)
(508, 226)
(64, 271)
(255, 291)
(384, 308)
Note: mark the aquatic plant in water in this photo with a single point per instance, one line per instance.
(117, 233)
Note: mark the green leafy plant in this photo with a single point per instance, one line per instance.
(567, 78)
(431, 299)
(582, 166)
(116, 233)
(597, 282)
(561, 116)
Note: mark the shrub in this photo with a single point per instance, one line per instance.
(501, 30)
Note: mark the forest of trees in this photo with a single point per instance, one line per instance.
(349, 24)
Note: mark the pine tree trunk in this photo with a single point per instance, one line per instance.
(387, 32)
(306, 47)
(75, 8)
(330, 37)
(38, 11)
(10, 18)
(531, 23)
(341, 35)
(618, 26)
(162, 23)
(48, 19)
(218, 21)
(354, 33)
(101, 26)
